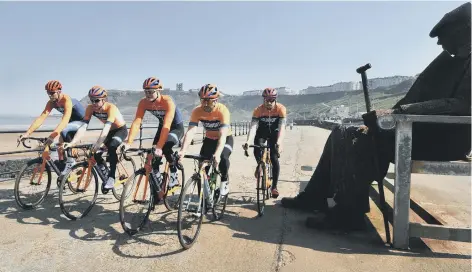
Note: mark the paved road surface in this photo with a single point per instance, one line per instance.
(44, 240)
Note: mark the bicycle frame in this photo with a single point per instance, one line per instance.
(204, 178)
(146, 162)
(45, 160)
(147, 169)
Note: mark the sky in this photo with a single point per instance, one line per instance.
(238, 46)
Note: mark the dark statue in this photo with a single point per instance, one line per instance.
(346, 168)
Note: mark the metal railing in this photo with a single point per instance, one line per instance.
(237, 128)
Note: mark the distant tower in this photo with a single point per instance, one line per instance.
(179, 87)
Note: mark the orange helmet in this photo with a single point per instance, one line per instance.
(209, 91)
(53, 86)
(152, 83)
(97, 92)
(269, 93)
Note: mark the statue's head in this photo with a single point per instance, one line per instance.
(453, 31)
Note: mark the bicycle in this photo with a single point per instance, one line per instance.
(158, 187)
(263, 176)
(74, 179)
(211, 183)
(43, 163)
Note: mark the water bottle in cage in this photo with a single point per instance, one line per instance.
(209, 196)
(213, 181)
(104, 169)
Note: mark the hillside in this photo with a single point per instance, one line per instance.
(298, 106)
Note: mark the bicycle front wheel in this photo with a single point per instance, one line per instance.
(136, 203)
(79, 199)
(32, 186)
(191, 210)
(261, 188)
(124, 170)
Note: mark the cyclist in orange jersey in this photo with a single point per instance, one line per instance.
(73, 113)
(269, 123)
(113, 133)
(170, 129)
(218, 141)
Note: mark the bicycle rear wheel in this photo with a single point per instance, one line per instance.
(172, 196)
(261, 188)
(138, 196)
(77, 202)
(219, 202)
(193, 203)
(28, 181)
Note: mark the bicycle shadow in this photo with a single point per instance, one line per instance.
(100, 225)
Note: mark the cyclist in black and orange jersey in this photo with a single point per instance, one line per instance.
(170, 129)
(218, 141)
(270, 121)
(113, 133)
(73, 112)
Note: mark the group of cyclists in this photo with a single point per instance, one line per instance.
(268, 124)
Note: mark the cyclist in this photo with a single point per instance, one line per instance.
(170, 129)
(218, 141)
(73, 113)
(114, 131)
(270, 121)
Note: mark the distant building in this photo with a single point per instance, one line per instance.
(253, 92)
(355, 85)
(280, 90)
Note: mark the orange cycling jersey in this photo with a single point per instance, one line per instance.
(269, 119)
(108, 114)
(164, 109)
(212, 121)
(71, 109)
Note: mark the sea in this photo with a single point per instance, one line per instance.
(19, 124)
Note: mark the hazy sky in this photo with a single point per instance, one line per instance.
(237, 45)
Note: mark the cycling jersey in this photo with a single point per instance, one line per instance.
(108, 114)
(78, 111)
(212, 121)
(268, 120)
(71, 109)
(164, 109)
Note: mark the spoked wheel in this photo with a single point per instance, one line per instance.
(78, 200)
(261, 189)
(191, 210)
(124, 170)
(136, 205)
(32, 186)
(268, 174)
(172, 196)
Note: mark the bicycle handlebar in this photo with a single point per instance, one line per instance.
(262, 146)
(151, 150)
(42, 140)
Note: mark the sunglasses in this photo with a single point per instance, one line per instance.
(95, 101)
(149, 91)
(207, 100)
(51, 93)
(269, 100)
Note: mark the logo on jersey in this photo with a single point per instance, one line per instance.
(211, 125)
(269, 120)
(158, 113)
(101, 116)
